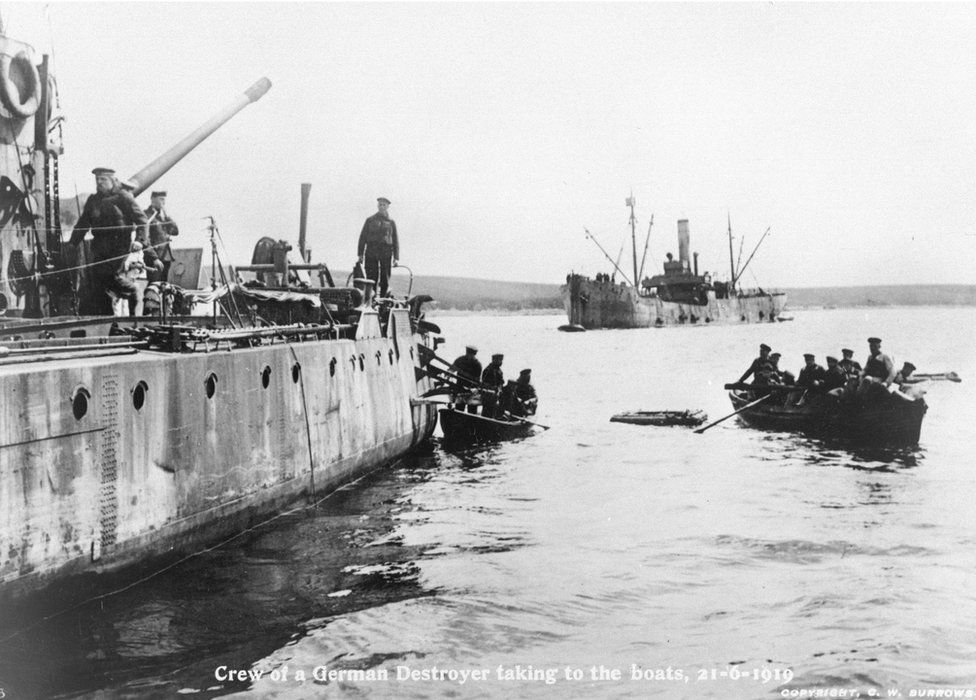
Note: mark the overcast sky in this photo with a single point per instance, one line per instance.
(500, 131)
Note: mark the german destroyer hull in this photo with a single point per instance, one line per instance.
(592, 305)
(111, 459)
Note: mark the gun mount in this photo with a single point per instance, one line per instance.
(35, 277)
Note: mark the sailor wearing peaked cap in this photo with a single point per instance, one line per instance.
(849, 365)
(162, 229)
(904, 376)
(468, 367)
(494, 378)
(110, 215)
(757, 364)
(526, 399)
(379, 246)
(879, 367)
(836, 377)
(812, 375)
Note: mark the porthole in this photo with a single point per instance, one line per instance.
(391, 357)
(332, 366)
(78, 333)
(296, 372)
(211, 385)
(379, 357)
(79, 403)
(266, 376)
(362, 362)
(139, 395)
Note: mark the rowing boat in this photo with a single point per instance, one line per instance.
(461, 426)
(879, 417)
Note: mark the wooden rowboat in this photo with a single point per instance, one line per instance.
(879, 417)
(461, 426)
(689, 417)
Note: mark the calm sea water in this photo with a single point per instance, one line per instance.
(717, 565)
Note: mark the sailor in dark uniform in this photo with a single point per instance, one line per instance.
(785, 376)
(834, 377)
(904, 375)
(110, 214)
(849, 364)
(812, 375)
(467, 366)
(378, 242)
(526, 400)
(757, 363)
(493, 377)
(161, 230)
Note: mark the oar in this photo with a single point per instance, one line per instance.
(748, 405)
(948, 376)
(526, 420)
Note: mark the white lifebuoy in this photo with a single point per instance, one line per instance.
(18, 104)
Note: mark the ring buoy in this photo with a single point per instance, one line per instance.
(18, 104)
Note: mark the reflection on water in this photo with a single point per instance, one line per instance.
(589, 543)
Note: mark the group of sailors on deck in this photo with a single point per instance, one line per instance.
(844, 377)
(498, 398)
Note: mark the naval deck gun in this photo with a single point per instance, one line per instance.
(37, 279)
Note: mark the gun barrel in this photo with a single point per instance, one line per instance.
(156, 169)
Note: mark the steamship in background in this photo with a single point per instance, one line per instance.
(680, 296)
(126, 439)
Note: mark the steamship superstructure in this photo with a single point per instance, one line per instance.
(123, 439)
(679, 296)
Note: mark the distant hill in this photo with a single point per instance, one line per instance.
(889, 295)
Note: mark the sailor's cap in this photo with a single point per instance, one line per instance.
(775, 354)
(847, 351)
(874, 340)
(471, 348)
(498, 356)
(524, 372)
(831, 358)
(808, 356)
(382, 200)
(127, 185)
(765, 347)
(102, 171)
(909, 366)
(158, 193)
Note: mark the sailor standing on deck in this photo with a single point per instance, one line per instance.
(467, 366)
(161, 229)
(110, 214)
(757, 364)
(378, 242)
